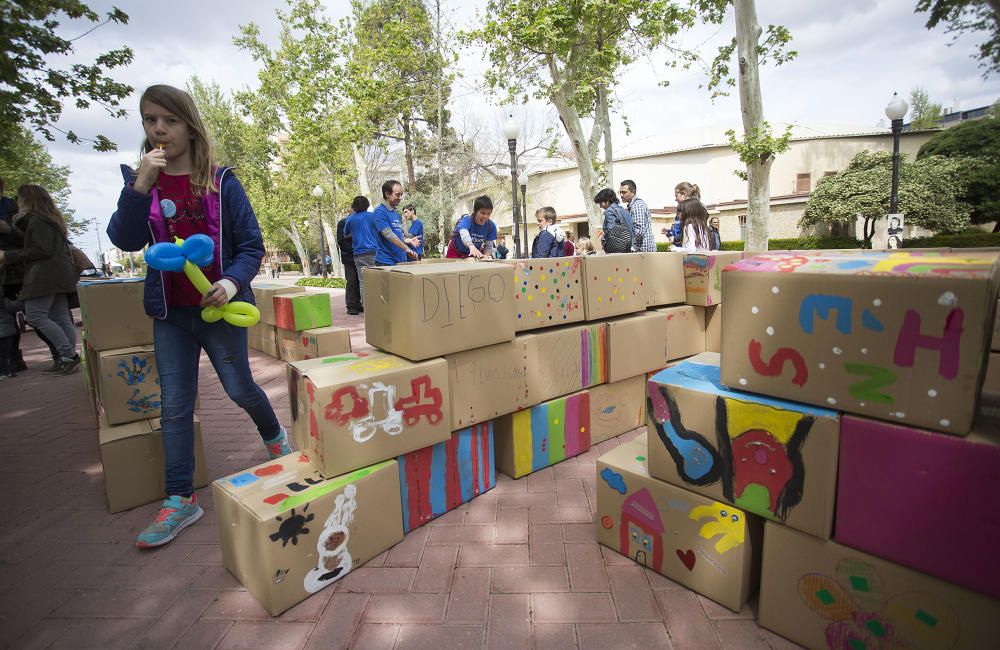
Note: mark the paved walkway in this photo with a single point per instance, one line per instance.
(516, 568)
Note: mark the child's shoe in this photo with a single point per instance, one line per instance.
(176, 514)
(278, 446)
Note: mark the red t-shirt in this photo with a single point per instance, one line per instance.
(188, 220)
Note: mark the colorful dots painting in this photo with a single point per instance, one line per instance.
(544, 294)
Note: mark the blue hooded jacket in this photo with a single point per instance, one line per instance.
(231, 222)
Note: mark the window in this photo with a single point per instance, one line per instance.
(743, 227)
(825, 174)
(802, 183)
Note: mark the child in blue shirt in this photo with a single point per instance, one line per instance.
(392, 247)
(475, 235)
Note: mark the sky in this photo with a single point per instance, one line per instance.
(853, 54)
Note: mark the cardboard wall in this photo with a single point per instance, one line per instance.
(113, 313)
(770, 457)
(264, 294)
(303, 311)
(436, 479)
(357, 409)
(991, 384)
(543, 435)
(488, 382)
(565, 359)
(703, 276)
(995, 342)
(133, 461)
(663, 278)
(824, 595)
(286, 532)
(128, 385)
(897, 336)
(616, 408)
(637, 343)
(547, 292)
(709, 547)
(685, 331)
(613, 285)
(930, 495)
(420, 311)
(713, 328)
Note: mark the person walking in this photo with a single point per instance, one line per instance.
(352, 293)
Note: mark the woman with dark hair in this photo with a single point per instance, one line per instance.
(50, 274)
(617, 235)
(693, 218)
(475, 234)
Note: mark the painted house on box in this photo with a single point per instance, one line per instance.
(642, 530)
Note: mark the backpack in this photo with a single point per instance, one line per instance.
(618, 238)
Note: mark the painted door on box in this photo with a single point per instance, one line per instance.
(551, 432)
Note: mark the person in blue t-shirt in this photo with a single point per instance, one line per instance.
(474, 235)
(360, 228)
(416, 228)
(392, 246)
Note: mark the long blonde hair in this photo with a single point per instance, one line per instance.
(691, 211)
(180, 104)
(33, 199)
(688, 190)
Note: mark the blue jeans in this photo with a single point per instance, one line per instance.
(179, 340)
(50, 315)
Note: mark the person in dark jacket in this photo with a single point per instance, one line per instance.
(345, 243)
(11, 359)
(714, 237)
(613, 238)
(49, 271)
(502, 251)
(550, 240)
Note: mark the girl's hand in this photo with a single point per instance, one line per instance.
(474, 252)
(149, 169)
(216, 296)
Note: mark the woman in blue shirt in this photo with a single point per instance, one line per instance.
(475, 234)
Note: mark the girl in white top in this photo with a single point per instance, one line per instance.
(694, 227)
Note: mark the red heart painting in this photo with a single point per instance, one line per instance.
(687, 557)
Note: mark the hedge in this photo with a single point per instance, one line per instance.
(290, 266)
(330, 283)
(961, 240)
(794, 243)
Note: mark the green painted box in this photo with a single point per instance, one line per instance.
(302, 311)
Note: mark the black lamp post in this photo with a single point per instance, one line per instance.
(510, 129)
(895, 111)
(522, 180)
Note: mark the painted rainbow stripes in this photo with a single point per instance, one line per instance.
(593, 356)
(551, 432)
(436, 479)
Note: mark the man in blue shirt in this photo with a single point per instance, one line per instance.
(360, 228)
(392, 246)
(416, 228)
(345, 244)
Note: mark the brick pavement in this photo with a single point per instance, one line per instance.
(516, 568)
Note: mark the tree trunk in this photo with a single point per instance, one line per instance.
(411, 176)
(362, 165)
(584, 161)
(331, 243)
(293, 233)
(751, 106)
(603, 114)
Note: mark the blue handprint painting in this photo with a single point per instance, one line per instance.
(130, 386)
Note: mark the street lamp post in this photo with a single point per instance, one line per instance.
(318, 193)
(510, 129)
(895, 111)
(522, 180)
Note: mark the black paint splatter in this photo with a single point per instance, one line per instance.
(292, 527)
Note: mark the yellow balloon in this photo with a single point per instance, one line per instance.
(239, 314)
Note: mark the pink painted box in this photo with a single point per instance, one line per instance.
(922, 499)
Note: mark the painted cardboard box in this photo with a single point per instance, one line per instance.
(713, 328)
(637, 343)
(685, 331)
(263, 295)
(286, 532)
(991, 384)
(303, 311)
(771, 457)
(356, 409)
(434, 480)
(542, 435)
(824, 595)
(613, 285)
(488, 382)
(565, 359)
(132, 457)
(707, 546)
(547, 292)
(703, 276)
(313, 343)
(950, 534)
(897, 336)
(995, 342)
(128, 386)
(663, 278)
(617, 407)
(113, 313)
(420, 311)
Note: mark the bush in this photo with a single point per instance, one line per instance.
(329, 283)
(290, 266)
(961, 240)
(790, 244)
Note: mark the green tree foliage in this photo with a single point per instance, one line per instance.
(960, 16)
(32, 90)
(979, 140)
(930, 192)
(925, 113)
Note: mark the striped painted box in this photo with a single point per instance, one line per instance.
(436, 479)
(532, 439)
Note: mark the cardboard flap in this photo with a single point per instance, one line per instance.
(110, 433)
(125, 351)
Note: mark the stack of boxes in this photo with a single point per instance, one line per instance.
(295, 324)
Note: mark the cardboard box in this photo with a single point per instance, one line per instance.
(302, 311)
(313, 343)
(134, 466)
(995, 343)
(685, 331)
(824, 595)
(113, 313)
(420, 311)
(486, 383)
(709, 547)
(613, 285)
(128, 385)
(565, 359)
(543, 435)
(951, 484)
(770, 457)
(713, 328)
(353, 410)
(434, 480)
(898, 336)
(663, 278)
(286, 532)
(703, 276)
(616, 408)
(547, 292)
(637, 344)
(263, 295)
(270, 348)
(991, 384)
(253, 337)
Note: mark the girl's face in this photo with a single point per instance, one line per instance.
(679, 196)
(167, 131)
(604, 204)
(482, 216)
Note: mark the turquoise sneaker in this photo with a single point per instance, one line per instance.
(278, 446)
(176, 514)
